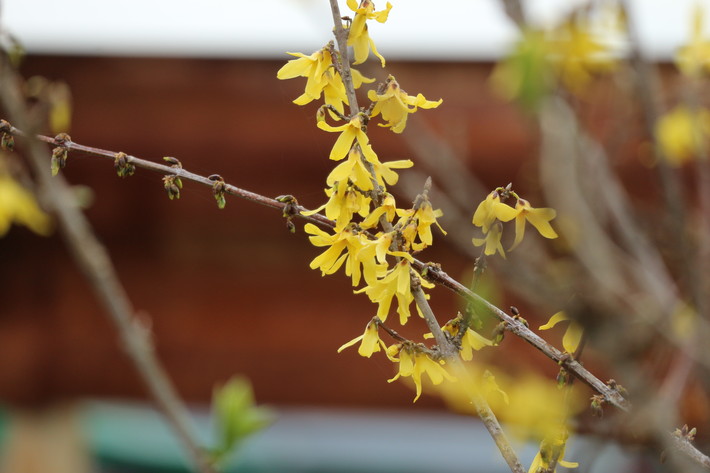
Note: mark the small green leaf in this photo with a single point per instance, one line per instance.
(236, 416)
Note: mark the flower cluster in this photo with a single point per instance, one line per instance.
(491, 213)
(372, 238)
(569, 54)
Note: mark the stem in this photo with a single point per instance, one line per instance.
(341, 37)
(484, 411)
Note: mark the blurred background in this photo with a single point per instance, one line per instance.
(229, 291)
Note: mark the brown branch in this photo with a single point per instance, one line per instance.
(431, 272)
(94, 261)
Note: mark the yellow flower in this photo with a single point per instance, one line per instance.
(492, 240)
(415, 363)
(344, 202)
(353, 169)
(351, 131)
(395, 105)
(471, 340)
(552, 448)
(312, 67)
(359, 251)
(358, 37)
(490, 210)
(423, 218)
(388, 209)
(322, 78)
(17, 205)
(573, 334)
(694, 58)
(370, 341)
(396, 283)
(539, 218)
(576, 52)
(682, 133)
(384, 171)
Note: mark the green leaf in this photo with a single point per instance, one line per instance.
(236, 415)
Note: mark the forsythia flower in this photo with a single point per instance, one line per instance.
(358, 37)
(17, 205)
(492, 240)
(354, 169)
(573, 334)
(681, 134)
(388, 209)
(359, 251)
(351, 131)
(471, 340)
(395, 105)
(539, 218)
(490, 210)
(694, 58)
(322, 78)
(552, 449)
(370, 341)
(344, 202)
(396, 283)
(576, 52)
(419, 223)
(414, 363)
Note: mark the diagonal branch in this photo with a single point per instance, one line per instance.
(432, 272)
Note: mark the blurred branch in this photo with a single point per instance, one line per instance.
(682, 443)
(94, 261)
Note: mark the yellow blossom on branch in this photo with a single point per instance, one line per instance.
(492, 240)
(388, 209)
(470, 341)
(344, 201)
(358, 36)
(395, 105)
(552, 450)
(573, 334)
(322, 78)
(395, 284)
(370, 341)
(345, 247)
(490, 210)
(353, 169)
(350, 132)
(417, 223)
(539, 218)
(414, 363)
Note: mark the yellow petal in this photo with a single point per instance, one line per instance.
(572, 337)
(554, 320)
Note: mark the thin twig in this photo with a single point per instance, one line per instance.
(341, 36)
(94, 261)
